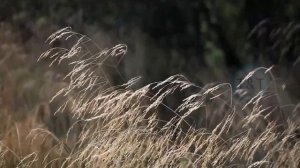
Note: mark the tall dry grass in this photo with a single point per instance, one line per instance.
(130, 126)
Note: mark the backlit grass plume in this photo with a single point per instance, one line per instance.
(126, 126)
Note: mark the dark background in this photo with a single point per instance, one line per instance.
(206, 40)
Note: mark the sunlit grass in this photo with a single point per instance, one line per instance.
(124, 125)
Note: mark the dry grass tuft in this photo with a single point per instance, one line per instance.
(127, 127)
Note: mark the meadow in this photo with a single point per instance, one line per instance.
(83, 119)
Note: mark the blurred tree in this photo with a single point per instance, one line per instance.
(188, 35)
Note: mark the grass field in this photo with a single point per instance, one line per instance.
(172, 123)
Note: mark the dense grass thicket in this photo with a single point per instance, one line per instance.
(170, 123)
